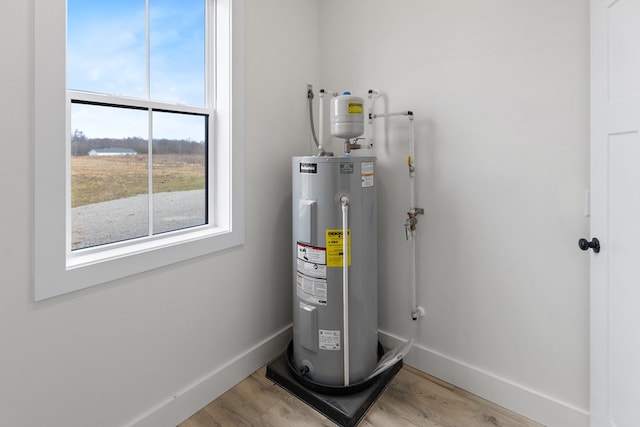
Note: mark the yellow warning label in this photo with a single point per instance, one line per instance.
(355, 108)
(334, 247)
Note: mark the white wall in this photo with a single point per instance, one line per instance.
(500, 93)
(118, 353)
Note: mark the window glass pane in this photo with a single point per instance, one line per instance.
(106, 46)
(109, 175)
(177, 57)
(179, 171)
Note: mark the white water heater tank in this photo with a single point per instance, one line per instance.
(347, 118)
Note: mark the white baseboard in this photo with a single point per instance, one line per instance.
(534, 405)
(190, 400)
(522, 400)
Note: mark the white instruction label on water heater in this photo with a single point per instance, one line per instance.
(367, 174)
(329, 340)
(311, 290)
(312, 269)
(312, 254)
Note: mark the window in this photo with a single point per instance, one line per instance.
(140, 111)
(138, 136)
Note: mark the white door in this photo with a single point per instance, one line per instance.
(615, 213)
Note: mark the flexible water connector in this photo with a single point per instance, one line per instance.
(344, 202)
(313, 129)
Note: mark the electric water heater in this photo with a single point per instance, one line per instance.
(335, 292)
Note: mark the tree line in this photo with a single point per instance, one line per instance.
(81, 145)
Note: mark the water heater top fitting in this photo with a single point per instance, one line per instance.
(347, 118)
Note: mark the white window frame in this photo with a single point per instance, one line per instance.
(58, 270)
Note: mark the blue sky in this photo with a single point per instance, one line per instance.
(106, 51)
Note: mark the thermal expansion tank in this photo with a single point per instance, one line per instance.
(318, 334)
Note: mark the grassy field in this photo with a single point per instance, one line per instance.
(102, 178)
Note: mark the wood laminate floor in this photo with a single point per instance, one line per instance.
(413, 398)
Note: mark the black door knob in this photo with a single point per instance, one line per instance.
(594, 244)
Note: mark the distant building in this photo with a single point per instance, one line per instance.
(113, 151)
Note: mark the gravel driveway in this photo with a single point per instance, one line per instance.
(123, 219)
